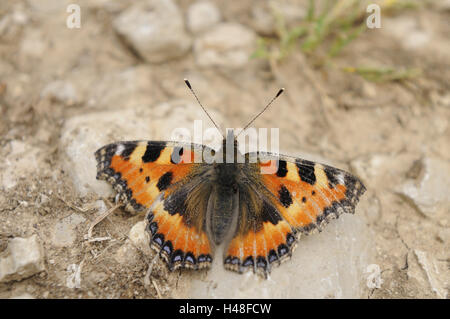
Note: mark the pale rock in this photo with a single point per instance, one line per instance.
(139, 237)
(428, 189)
(331, 264)
(155, 29)
(227, 45)
(11, 24)
(32, 44)
(22, 161)
(64, 233)
(407, 30)
(111, 6)
(137, 242)
(371, 206)
(444, 235)
(374, 169)
(433, 275)
(48, 6)
(129, 87)
(20, 17)
(24, 257)
(127, 254)
(96, 276)
(201, 16)
(61, 91)
(443, 5)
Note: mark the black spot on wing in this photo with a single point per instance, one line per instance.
(164, 181)
(331, 175)
(128, 150)
(232, 260)
(285, 196)
(272, 256)
(282, 250)
(189, 259)
(261, 262)
(290, 239)
(167, 248)
(177, 257)
(152, 152)
(248, 262)
(176, 203)
(108, 150)
(158, 239)
(306, 171)
(269, 214)
(282, 169)
(153, 228)
(204, 258)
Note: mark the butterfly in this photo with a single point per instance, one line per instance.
(257, 207)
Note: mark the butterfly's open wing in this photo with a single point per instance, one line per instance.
(284, 197)
(163, 179)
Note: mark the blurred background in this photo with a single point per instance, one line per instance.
(374, 101)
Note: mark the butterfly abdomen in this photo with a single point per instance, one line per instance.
(221, 212)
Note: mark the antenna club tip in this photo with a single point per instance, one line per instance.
(187, 83)
(279, 92)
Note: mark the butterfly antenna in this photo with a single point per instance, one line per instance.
(265, 108)
(188, 84)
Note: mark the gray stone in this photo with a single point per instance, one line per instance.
(427, 188)
(127, 254)
(22, 161)
(23, 258)
(61, 91)
(227, 45)
(427, 266)
(201, 16)
(128, 87)
(443, 5)
(32, 45)
(331, 264)
(47, 6)
(64, 231)
(140, 238)
(408, 32)
(155, 29)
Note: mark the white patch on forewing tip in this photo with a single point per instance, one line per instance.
(340, 178)
(120, 149)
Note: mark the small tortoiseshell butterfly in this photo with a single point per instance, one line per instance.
(193, 206)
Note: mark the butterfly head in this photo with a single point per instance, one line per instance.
(230, 146)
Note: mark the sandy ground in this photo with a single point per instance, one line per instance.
(393, 134)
